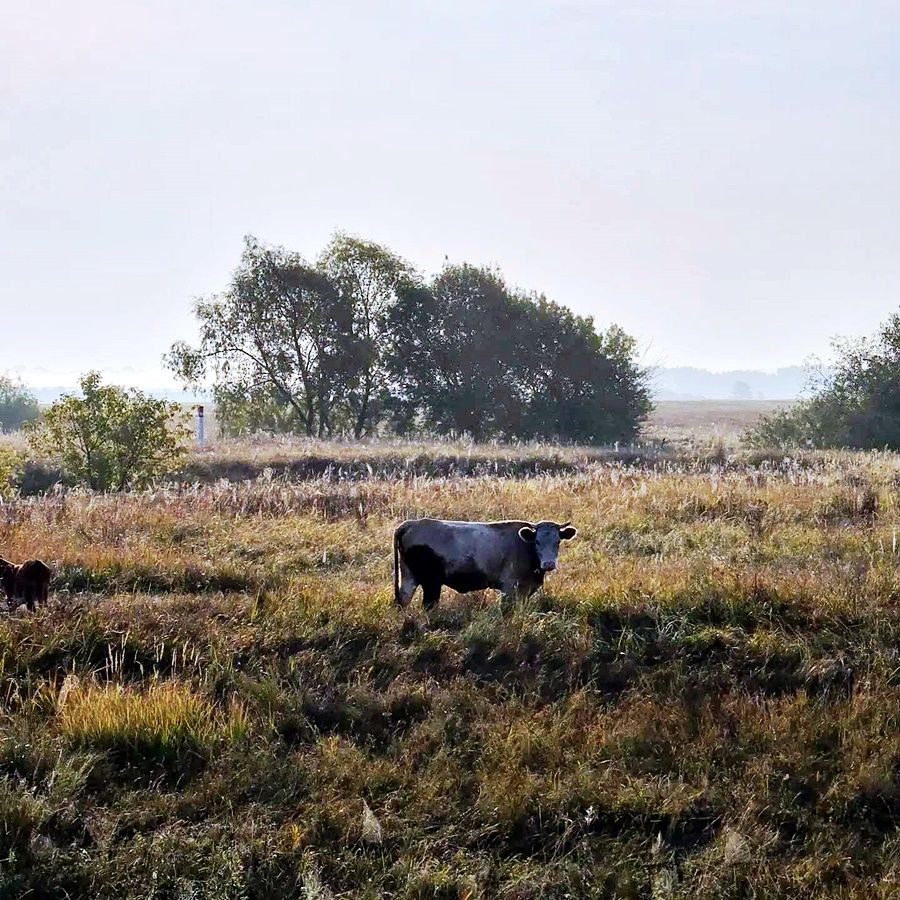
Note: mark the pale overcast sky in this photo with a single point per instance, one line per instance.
(720, 178)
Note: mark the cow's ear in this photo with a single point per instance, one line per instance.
(567, 532)
(528, 534)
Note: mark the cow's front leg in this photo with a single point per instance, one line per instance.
(514, 591)
(511, 592)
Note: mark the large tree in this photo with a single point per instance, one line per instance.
(478, 358)
(283, 330)
(458, 342)
(579, 383)
(368, 277)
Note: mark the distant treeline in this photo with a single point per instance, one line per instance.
(360, 342)
(18, 405)
(856, 403)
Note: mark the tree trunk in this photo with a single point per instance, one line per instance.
(360, 425)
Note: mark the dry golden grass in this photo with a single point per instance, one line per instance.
(694, 423)
(165, 721)
(222, 701)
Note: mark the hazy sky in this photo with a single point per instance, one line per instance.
(720, 178)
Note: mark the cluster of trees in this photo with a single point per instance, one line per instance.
(359, 341)
(856, 405)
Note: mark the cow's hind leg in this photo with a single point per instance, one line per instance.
(406, 586)
(431, 594)
(427, 569)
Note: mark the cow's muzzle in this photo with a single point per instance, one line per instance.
(548, 566)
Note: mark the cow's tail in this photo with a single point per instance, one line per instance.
(397, 534)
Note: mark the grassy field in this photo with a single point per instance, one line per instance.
(221, 701)
(675, 429)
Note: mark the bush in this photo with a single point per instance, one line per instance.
(37, 476)
(857, 406)
(254, 411)
(784, 429)
(110, 438)
(18, 406)
(10, 463)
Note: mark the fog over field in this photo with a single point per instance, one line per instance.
(718, 179)
(683, 383)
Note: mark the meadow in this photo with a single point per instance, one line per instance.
(220, 700)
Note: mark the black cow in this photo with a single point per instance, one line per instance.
(511, 557)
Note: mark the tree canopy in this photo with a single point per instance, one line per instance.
(301, 340)
(479, 358)
(368, 277)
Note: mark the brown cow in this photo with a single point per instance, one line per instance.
(28, 583)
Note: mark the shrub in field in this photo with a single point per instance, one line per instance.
(10, 463)
(111, 438)
(18, 406)
(165, 722)
(253, 411)
(857, 406)
(37, 476)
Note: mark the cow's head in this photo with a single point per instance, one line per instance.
(545, 536)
